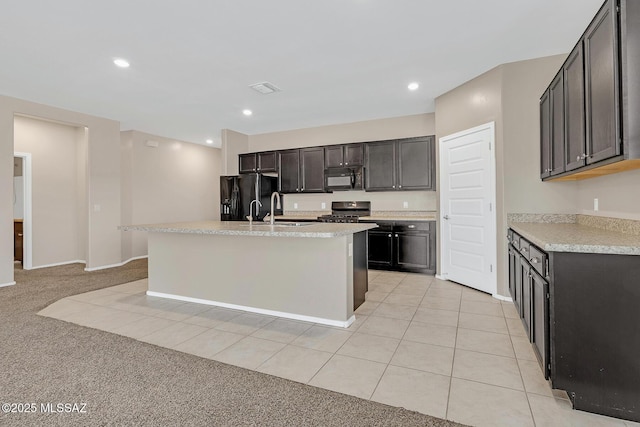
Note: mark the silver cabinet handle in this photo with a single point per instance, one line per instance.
(399, 186)
(346, 163)
(535, 260)
(412, 226)
(389, 235)
(523, 250)
(19, 234)
(340, 163)
(393, 186)
(396, 235)
(446, 217)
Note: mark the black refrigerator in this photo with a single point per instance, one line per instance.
(238, 191)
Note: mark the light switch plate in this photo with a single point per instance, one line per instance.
(324, 205)
(350, 249)
(295, 206)
(405, 205)
(595, 205)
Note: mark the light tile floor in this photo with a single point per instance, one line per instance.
(418, 342)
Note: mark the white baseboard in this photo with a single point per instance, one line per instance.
(441, 277)
(502, 298)
(120, 264)
(7, 284)
(57, 264)
(292, 316)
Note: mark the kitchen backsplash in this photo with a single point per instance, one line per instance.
(380, 201)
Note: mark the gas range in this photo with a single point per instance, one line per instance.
(346, 212)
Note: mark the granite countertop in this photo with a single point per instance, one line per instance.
(258, 228)
(576, 237)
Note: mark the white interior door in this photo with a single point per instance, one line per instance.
(467, 208)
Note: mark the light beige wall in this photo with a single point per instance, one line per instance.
(371, 130)
(509, 95)
(616, 194)
(126, 191)
(472, 104)
(103, 183)
(56, 212)
(176, 181)
(233, 143)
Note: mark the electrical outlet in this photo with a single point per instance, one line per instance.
(405, 205)
(295, 206)
(595, 205)
(324, 205)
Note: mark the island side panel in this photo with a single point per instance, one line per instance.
(303, 276)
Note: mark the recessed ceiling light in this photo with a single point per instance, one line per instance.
(209, 141)
(413, 86)
(122, 63)
(247, 112)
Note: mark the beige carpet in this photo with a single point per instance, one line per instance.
(128, 382)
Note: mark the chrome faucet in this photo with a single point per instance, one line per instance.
(274, 195)
(250, 216)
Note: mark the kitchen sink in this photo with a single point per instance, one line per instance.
(266, 226)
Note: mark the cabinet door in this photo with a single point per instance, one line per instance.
(333, 156)
(380, 166)
(312, 170)
(526, 295)
(601, 86)
(540, 320)
(247, 163)
(513, 269)
(353, 155)
(412, 250)
(574, 114)
(267, 162)
(556, 91)
(545, 135)
(380, 249)
(415, 157)
(289, 167)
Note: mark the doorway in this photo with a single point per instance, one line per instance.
(22, 215)
(467, 208)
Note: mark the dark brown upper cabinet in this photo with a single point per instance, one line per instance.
(601, 92)
(402, 164)
(552, 157)
(258, 162)
(602, 86)
(301, 170)
(574, 113)
(337, 156)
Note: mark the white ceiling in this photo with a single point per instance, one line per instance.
(337, 61)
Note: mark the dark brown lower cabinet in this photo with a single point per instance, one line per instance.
(403, 246)
(581, 313)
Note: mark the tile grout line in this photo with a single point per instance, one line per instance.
(453, 361)
(394, 352)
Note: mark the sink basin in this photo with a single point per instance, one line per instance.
(293, 224)
(267, 226)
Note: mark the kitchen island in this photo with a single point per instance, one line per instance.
(314, 272)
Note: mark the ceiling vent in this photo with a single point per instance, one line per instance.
(265, 88)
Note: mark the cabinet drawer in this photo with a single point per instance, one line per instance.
(523, 247)
(515, 240)
(403, 227)
(538, 260)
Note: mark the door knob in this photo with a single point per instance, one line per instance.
(446, 217)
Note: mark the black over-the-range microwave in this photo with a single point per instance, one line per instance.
(336, 179)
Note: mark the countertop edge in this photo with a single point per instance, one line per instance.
(248, 232)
